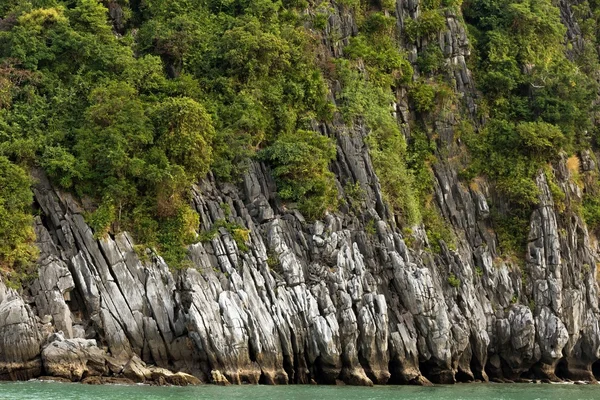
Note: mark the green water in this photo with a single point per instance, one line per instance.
(62, 391)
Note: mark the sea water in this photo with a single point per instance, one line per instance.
(65, 391)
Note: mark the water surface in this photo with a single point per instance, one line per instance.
(65, 391)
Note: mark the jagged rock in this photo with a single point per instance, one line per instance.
(20, 338)
(136, 370)
(183, 379)
(73, 359)
(348, 299)
(111, 380)
(163, 376)
(356, 313)
(218, 378)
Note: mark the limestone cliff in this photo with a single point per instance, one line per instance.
(349, 298)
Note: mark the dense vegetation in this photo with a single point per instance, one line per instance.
(366, 99)
(132, 115)
(538, 102)
(129, 112)
(16, 222)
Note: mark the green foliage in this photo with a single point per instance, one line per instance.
(512, 154)
(430, 95)
(431, 59)
(539, 102)
(241, 237)
(349, 3)
(133, 120)
(368, 101)
(254, 62)
(429, 24)
(376, 47)
(184, 134)
(355, 194)
(370, 228)
(102, 218)
(587, 15)
(558, 195)
(238, 233)
(421, 156)
(114, 129)
(423, 96)
(437, 228)
(226, 209)
(589, 208)
(142, 252)
(274, 263)
(17, 250)
(408, 236)
(387, 148)
(524, 71)
(301, 171)
(512, 229)
(591, 211)
(453, 280)
(434, 4)
(174, 233)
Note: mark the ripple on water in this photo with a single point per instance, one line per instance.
(66, 391)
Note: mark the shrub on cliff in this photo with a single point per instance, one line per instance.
(537, 100)
(17, 252)
(131, 120)
(300, 166)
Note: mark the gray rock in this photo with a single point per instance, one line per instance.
(73, 359)
(350, 298)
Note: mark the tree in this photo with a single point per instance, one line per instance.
(301, 168)
(110, 145)
(185, 134)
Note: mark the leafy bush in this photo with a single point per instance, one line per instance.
(431, 59)
(453, 280)
(512, 230)
(132, 120)
(423, 96)
(387, 66)
(184, 134)
(591, 211)
(17, 250)
(387, 148)
(300, 165)
(379, 24)
(429, 24)
(539, 104)
(241, 237)
(362, 99)
(102, 218)
(174, 233)
(429, 95)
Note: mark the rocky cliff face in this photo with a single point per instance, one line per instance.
(349, 298)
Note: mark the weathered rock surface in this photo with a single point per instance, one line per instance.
(20, 338)
(82, 360)
(73, 359)
(342, 299)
